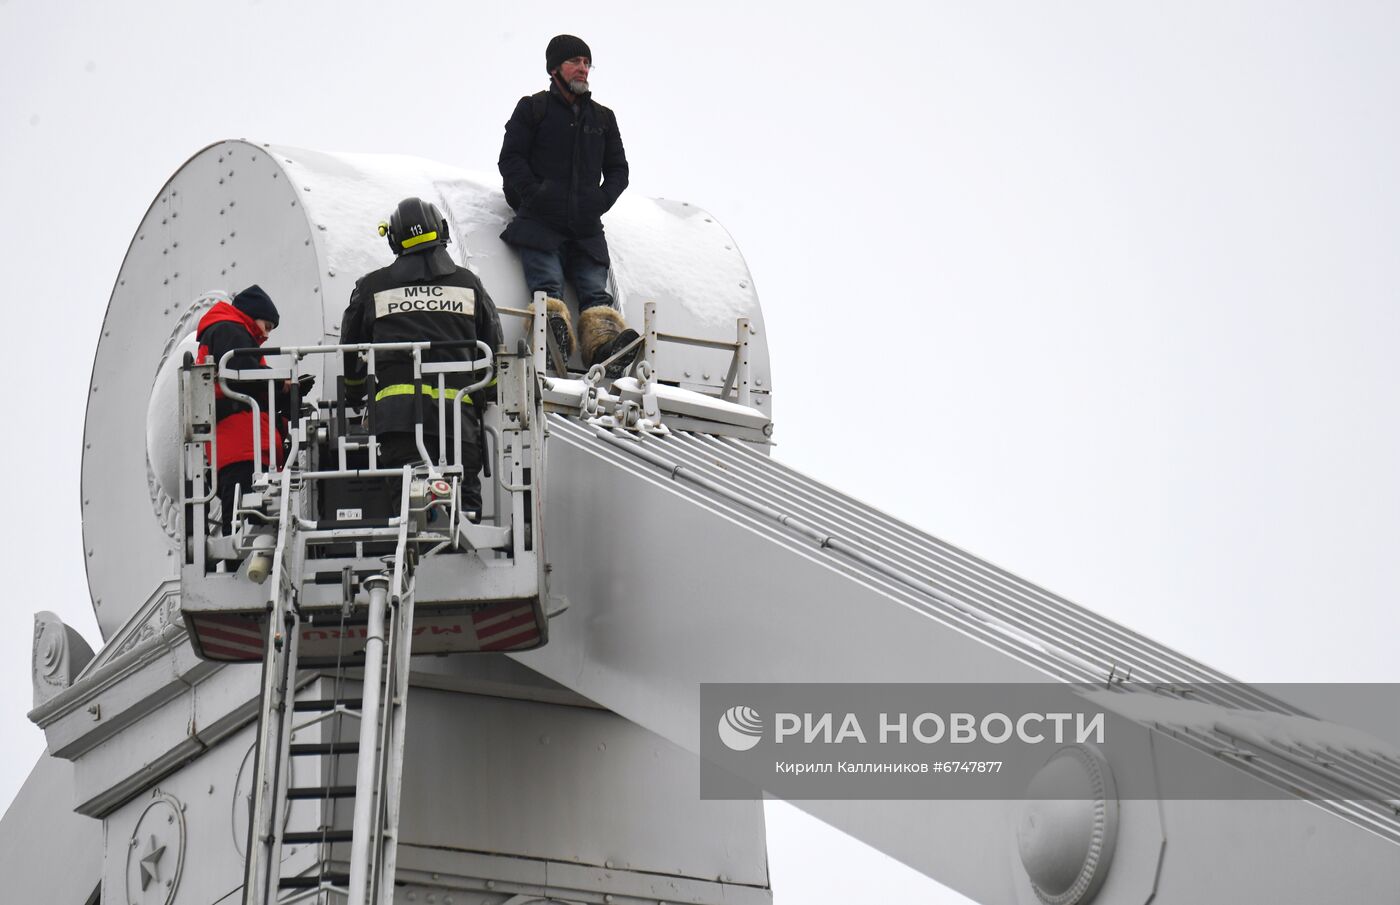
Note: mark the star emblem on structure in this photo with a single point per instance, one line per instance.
(150, 864)
(155, 855)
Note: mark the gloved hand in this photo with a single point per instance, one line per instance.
(305, 382)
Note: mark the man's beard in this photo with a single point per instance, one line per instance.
(578, 86)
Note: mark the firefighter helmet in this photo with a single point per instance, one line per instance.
(415, 226)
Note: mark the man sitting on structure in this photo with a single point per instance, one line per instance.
(562, 167)
(422, 296)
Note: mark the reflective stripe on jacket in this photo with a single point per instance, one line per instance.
(421, 296)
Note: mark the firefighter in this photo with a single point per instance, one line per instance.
(421, 295)
(242, 324)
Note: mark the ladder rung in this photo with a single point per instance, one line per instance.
(313, 882)
(318, 836)
(321, 792)
(324, 748)
(322, 706)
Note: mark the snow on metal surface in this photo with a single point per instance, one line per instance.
(660, 248)
(350, 194)
(673, 249)
(671, 252)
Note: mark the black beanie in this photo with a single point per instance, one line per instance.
(564, 47)
(256, 304)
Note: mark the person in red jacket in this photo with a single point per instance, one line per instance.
(243, 324)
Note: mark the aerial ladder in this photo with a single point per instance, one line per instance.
(338, 563)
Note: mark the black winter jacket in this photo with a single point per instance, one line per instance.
(420, 296)
(561, 172)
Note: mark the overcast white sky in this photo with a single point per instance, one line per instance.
(1116, 283)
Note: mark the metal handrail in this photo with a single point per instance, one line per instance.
(291, 374)
(736, 378)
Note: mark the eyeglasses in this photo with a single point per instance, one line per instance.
(585, 62)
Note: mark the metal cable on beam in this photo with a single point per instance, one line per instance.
(847, 549)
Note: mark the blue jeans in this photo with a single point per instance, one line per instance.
(546, 271)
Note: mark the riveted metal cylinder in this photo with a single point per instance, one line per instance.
(306, 248)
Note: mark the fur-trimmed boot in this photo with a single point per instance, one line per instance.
(602, 332)
(561, 327)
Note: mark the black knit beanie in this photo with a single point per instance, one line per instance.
(256, 304)
(564, 47)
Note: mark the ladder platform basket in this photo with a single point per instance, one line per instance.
(333, 517)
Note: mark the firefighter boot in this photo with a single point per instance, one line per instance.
(602, 332)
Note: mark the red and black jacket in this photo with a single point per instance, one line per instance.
(222, 328)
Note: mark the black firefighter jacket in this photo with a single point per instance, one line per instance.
(562, 167)
(420, 296)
